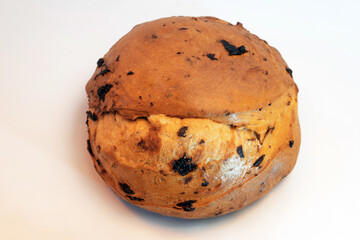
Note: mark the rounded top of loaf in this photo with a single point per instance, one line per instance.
(188, 67)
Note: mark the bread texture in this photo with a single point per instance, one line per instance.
(192, 117)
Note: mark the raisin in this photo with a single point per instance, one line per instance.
(103, 72)
(187, 180)
(103, 90)
(211, 56)
(98, 162)
(126, 188)
(201, 141)
(220, 212)
(89, 148)
(187, 205)
(134, 198)
(142, 144)
(289, 71)
(117, 59)
(183, 29)
(291, 143)
(240, 151)
(184, 165)
(233, 50)
(130, 73)
(92, 116)
(100, 62)
(258, 161)
(204, 183)
(182, 131)
(153, 36)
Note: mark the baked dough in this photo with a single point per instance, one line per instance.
(192, 117)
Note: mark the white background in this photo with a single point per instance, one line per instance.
(48, 186)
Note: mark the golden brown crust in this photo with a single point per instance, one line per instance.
(183, 133)
(164, 67)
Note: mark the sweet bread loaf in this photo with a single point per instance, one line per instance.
(192, 117)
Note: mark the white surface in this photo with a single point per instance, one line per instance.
(48, 186)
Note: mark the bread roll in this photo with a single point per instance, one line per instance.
(192, 117)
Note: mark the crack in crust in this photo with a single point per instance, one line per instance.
(158, 128)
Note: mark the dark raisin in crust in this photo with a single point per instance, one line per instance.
(187, 180)
(98, 162)
(258, 161)
(218, 213)
(233, 50)
(103, 72)
(89, 148)
(92, 116)
(182, 131)
(211, 56)
(126, 188)
(240, 151)
(291, 143)
(205, 183)
(184, 165)
(100, 62)
(103, 90)
(135, 198)
(187, 205)
(289, 71)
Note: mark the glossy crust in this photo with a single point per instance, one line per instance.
(163, 67)
(213, 136)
